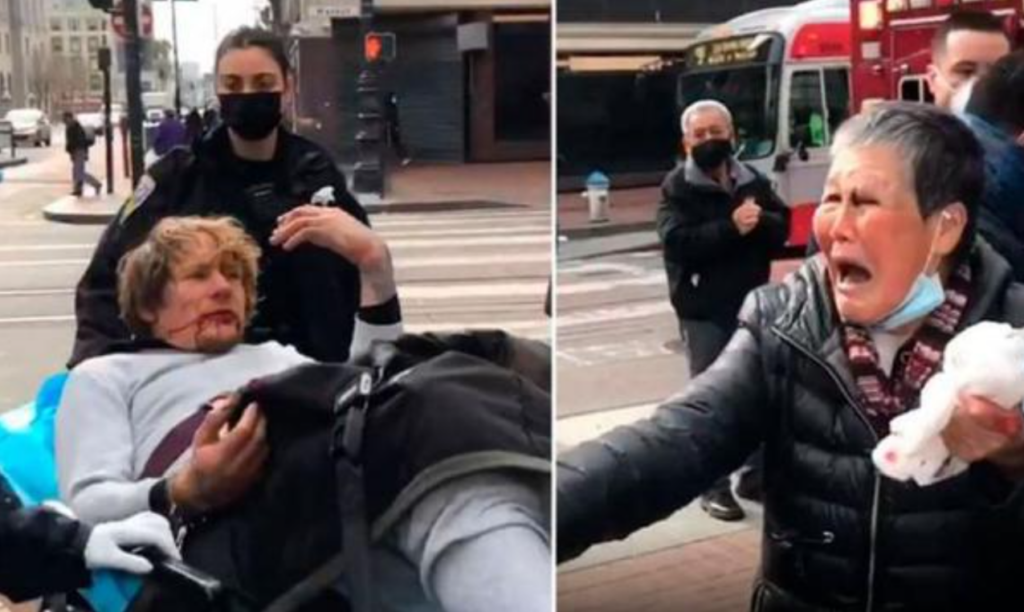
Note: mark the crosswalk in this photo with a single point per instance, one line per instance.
(485, 268)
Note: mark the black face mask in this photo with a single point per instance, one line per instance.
(252, 116)
(711, 154)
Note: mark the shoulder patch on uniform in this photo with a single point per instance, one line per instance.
(143, 190)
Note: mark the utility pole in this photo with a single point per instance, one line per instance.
(133, 73)
(108, 130)
(177, 65)
(368, 176)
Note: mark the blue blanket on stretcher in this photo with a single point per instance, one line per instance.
(28, 461)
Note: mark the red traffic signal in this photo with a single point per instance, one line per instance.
(379, 47)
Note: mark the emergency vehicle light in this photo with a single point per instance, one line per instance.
(821, 40)
(870, 13)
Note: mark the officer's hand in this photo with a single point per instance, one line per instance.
(330, 228)
(225, 462)
(981, 430)
(105, 548)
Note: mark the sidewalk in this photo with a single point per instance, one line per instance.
(712, 575)
(10, 162)
(414, 188)
(630, 225)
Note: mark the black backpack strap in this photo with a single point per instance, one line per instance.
(350, 413)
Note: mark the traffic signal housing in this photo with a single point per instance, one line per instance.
(379, 47)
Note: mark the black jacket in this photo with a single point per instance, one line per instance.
(711, 267)
(41, 552)
(75, 138)
(837, 536)
(308, 298)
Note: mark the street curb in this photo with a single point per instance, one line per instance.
(10, 163)
(608, 229)
(59, 214)
(653, 245)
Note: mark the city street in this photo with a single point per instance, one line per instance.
(619, 354)
(469, 268)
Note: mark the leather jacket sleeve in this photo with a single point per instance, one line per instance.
(773, 229)
(41, 552)
(642, 473)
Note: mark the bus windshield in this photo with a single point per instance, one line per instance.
(750, 92)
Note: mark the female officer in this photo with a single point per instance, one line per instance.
(255, 170)
(820, 364)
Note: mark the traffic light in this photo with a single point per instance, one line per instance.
(102, 5)
(379, 47)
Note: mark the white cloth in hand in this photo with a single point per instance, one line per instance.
(108, 542)
(985, 360)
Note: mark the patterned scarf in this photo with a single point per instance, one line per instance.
(885, 397)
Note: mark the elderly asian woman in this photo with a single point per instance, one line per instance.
(820, 364)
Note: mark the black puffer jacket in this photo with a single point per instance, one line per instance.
(711, 267)
(837, 536)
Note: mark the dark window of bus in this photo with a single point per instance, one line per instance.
(806, 110)
(837, 97)
(750, 93)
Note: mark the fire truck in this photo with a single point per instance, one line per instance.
(791, 76)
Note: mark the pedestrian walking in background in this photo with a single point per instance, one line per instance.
(169, 134)
(77, 143)
(391, 117)
(720, 224)
(193, 127)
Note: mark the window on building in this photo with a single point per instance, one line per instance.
(56, 24)
(93, 25)
(95, 82)
(76, 45)
(57, 45)
(93, 43)
(73, 24)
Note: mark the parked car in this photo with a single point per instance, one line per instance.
(92, 122)
(30, 125)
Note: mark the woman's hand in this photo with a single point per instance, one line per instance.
(335, 229)
(331, 228)
(981, 430)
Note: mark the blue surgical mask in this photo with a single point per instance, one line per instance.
(925, 295)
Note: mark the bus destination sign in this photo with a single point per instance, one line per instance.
(740, 50)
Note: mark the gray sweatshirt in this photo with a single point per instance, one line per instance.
(117, 408)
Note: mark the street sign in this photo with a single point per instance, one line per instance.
(333, 9)
(145, 22)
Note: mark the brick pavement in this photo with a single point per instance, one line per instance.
(712, 575)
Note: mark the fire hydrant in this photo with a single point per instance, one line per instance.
(597, 195)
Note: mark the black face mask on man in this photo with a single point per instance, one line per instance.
(711, 154)
(253, 116)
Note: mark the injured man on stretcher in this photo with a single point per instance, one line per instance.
(476, 542)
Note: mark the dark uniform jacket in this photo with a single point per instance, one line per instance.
(75, 138)
(307, 298)
(711, 267)
(41, 551)
(837, 535)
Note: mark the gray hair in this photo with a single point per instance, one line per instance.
(701, 106)
(943, 159)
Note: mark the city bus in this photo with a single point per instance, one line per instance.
(791, 76)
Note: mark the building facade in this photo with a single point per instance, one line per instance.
(471, 77)
(28, 52)
(617, 98)
(76, 33)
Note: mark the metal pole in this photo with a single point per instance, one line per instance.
(177, 66)
(133, 74)
(368, 176)
(108, 129)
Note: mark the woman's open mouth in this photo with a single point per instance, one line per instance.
(850, 274)
(221, 317)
